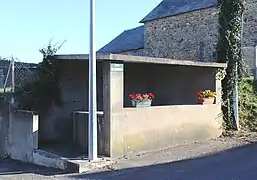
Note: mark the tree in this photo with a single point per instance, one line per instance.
(229, 51)
(44, 91)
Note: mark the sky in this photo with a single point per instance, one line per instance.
(28, 25)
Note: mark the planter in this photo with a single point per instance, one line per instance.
(141, 104)
(205, 101)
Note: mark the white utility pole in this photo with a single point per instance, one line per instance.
(13, 80)
(236, 81)
(92, 125)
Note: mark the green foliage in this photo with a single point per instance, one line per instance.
(40, 94)
(229, 51)
(247, 105)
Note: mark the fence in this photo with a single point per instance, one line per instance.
(15, 74)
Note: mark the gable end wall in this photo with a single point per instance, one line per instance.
(188, 36)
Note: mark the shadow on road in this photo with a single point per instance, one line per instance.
(12, 167)
(233, 164)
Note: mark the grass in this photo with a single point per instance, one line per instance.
(248, 105)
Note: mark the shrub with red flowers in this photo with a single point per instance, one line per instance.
(141, 96)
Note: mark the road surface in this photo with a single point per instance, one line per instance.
(233, 163)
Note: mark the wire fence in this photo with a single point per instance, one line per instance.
(14, 74)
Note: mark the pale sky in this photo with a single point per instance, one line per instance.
(28, 25)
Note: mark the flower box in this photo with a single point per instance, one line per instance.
(206, 97)
(141, 100)
(141, 104)
(206, 101)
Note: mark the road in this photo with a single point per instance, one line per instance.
(236, 164)
(178, 163)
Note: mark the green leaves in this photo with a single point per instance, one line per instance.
(42, 93)
(229, 51)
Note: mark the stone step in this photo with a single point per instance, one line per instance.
(48, 159)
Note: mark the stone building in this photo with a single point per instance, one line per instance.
(182, 29)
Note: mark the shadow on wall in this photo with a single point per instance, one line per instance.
(4, 124)
(56, 125)
(172, 85)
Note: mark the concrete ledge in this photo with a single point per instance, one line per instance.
(141, 59)
(47, 159)
(87, 166)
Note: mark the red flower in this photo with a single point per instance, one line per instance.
(141, 97)
(151, 95)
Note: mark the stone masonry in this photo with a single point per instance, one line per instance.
(193, 35)
(188, 36)
(250, 23)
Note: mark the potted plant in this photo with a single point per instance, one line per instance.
(206, 97)
(141, 99)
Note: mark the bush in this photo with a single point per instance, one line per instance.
(247, 104)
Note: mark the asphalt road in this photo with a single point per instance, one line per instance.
(239, 163)
(236, 164)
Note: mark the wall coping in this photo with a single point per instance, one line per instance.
(141, 59)
(25, 112)
(172, 106)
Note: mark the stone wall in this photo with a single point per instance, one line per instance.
(250, 23)
(249, 57)
(188, 36)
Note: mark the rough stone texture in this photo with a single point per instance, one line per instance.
(189, 36)
(249, 57)
(250, 22)
(138, 52)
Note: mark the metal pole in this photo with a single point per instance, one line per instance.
(236, 99)
(92, 125)
(13, 80)
(236, 79)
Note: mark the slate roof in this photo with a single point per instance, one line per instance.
(128, 40)
(173, 7)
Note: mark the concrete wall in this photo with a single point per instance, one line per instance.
(172, 85)
(132, 130)
(137, 130)
(23, 135)
(189, 36)
(4, 125)
(57, 124)
(81, 132)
